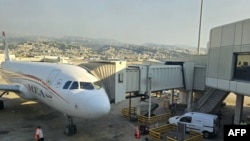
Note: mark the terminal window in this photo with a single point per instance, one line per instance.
(242, 66)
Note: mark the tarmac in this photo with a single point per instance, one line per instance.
(20, 118)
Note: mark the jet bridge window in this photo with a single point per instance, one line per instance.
(66, 85)
(86, 85)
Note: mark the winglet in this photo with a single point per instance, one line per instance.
(6, 49)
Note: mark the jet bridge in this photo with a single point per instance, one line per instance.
(141, 78)
(162, 77)
(120, 80)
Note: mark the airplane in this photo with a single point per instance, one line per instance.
(67, 88)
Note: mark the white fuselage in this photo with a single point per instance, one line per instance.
(82, 96)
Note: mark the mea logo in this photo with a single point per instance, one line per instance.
(241, 132)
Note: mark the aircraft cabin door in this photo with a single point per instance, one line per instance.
(52, 76)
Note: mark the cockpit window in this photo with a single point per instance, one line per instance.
(82, 85)
(86, 85)
(74, 85)
(66, 85)
(97, 85)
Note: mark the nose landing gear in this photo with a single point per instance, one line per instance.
(71, 127)
(1, 101)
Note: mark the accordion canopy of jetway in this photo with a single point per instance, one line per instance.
(112, 74)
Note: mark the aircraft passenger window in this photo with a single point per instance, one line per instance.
(97, 85)
(74, 85)
(86, 85)
(66, 85)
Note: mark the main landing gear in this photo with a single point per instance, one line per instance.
(71, 127)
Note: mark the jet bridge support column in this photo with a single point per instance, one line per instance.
(171, 99)
(183, 97)
(189, 81)
(149, 91)
(190, 100)
(238, 109)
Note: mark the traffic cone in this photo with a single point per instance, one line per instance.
(137, 133)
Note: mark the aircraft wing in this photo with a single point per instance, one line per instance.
(12, 88)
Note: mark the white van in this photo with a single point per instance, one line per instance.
(204, 123)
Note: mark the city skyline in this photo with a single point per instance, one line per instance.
(131, 21)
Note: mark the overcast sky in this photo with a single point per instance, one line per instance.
(172, 22)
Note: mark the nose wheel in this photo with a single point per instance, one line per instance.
(71, 127)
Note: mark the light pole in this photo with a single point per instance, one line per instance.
(198, 50)
(149, 91)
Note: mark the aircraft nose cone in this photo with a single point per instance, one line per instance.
(98, 106)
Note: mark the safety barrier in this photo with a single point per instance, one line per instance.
(194, 136)
(153, 119)
(156, 133)
(170, 139)
(125, 112)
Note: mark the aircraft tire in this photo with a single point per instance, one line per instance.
(70, 130)
(1, 105)
(74, 129)
(66, 130)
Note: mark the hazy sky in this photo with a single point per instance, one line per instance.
(173, 22)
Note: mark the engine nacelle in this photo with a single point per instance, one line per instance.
(25, 93)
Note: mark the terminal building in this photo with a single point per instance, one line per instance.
(228, 67)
